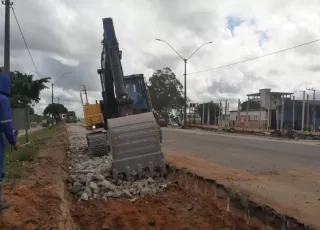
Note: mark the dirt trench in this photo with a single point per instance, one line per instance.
(40, 201)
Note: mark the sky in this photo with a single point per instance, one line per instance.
(64, 36)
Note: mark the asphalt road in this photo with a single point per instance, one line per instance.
(249, 153)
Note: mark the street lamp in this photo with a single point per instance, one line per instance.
(185, 74)
(52, 93)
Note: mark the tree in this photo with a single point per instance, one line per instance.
(24, 89)
(166, 93)
(56, 110)
(253, 105)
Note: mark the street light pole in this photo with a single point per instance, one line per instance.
(185, 93)
(52, 97)
(185, 60)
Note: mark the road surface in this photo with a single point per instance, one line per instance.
(249, 153)
(282, 174)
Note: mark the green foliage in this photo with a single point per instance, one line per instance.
(166, 93)
(253, 105)
(24, 89)
(56, 110)
(15, 159)
(37, 118)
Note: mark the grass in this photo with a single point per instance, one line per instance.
(14, 159)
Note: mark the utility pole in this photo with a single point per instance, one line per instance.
(208, 116)
(215, 114)
(202, 123)
(7, 5)
(185, 91)
(293, 111)
(247, 113)
(313, 109)
(282, 112)
(238, 120)
(303, 110)
(220, 113)
(308, 111)
(58, 100)
(52, 104)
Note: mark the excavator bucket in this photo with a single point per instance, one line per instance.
(135, 145)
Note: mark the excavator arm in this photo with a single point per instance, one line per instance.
(132, 132)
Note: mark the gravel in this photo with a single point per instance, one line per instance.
(90, 177)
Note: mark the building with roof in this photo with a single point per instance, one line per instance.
(273, 110)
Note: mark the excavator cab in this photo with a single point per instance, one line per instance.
(137, 91)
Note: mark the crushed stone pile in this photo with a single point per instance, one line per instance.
(90, 177)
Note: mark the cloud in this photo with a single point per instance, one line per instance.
(65, 36)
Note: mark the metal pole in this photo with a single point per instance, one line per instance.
(225, 108)
(7, 4)
(185, 91)
(308, 111)
(52, 105)
(202, 123)
(215, 114)
(208, 116)
(238, 120)
(247, 113)
(303, 111)
(293, 111)
(220, 113)
(282, 112)
(268, 119)
(260, 115)
(314, 111)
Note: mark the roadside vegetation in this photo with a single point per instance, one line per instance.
(15, 159)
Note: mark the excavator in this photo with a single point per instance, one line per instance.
(130, 131)
(93, 117)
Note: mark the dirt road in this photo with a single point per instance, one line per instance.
(280, 174)
(40, 201)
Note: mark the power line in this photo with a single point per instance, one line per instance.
(25, 42)
(235, 63)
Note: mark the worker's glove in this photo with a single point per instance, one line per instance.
(16, 146)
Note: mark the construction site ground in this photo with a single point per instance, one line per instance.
(40, 199)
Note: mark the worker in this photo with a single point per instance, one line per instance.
(134, 94)
(6, 128)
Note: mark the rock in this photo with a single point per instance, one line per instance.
(108, 194)
(76, 187)
(70, 179)
(99, 177)
(106, 184)
(117, 193)
(88, 191)
(150, 180)
(189, 207)
(134, 199)
(145, 191)
(164, 186)
(94, 186)
(84, 196)
(127, 193)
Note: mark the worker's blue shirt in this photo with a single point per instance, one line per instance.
(6, 127)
